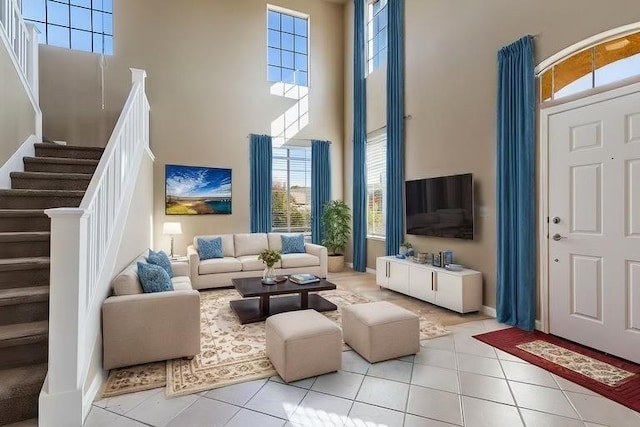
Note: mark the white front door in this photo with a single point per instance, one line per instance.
(594, 222)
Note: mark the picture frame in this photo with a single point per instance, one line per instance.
(437, 259)
(197, 190)
(447, 258)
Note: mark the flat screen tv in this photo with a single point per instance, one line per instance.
(441, 206)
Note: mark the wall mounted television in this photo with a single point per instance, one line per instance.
(441, 206)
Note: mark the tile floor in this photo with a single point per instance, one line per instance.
(454, 380)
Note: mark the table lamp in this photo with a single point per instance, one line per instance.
(171, 229)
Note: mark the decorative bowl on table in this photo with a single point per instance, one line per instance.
(454, 267)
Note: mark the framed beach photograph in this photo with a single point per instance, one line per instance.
(197, 190)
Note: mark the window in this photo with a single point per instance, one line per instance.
(376, 186)
(291, 190)
(376, 34)
(287, 48)
(604, 63)
(76, 24)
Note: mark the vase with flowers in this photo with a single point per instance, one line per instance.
(269, 258)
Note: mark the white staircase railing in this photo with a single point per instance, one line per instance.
(22, 39)
(84, 244)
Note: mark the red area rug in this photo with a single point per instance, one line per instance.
(613, 378)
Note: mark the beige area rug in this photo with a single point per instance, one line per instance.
(230, 352)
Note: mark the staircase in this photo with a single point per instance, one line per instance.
(56, 177)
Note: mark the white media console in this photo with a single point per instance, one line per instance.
(459, 291)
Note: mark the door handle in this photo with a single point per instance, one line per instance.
(435, 281)
(388, 269)
(432, 280)
(558, 237)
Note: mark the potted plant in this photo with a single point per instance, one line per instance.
(269, 258)
(406, 249)
(336, 219)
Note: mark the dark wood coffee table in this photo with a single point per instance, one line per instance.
(251, 310)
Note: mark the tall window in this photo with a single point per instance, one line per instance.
(376, 186)
(291, 190)
(287, 48)
(76, 24)
(376, 34)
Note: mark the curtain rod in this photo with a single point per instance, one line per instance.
(296, 139)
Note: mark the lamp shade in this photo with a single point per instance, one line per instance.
(172, 228)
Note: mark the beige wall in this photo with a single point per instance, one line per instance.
(17, 117)
(138, 230)
(206, 65)
(451, 48)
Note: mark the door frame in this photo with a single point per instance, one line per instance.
(543, 184)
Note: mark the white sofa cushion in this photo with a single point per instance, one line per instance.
(299, 260)
(252, 263)
(227, 243)
(181, 283)
(250, 243)
(219, 265)
(127, 282)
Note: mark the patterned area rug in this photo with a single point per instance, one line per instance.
(614, 378)
(230, 352)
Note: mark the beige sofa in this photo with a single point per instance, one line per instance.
(240, 259)
(140, 327)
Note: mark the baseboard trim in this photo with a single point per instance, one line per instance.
(15, 162)
(369, 270)
(490, 311)
(95, 387)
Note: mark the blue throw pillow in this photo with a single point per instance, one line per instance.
(210, 248)
(153, 278)
(161, 259)
(292, 244)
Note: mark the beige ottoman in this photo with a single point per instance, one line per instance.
(380, 330)
(303, 344)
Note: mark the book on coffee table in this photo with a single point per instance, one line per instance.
(303, 278)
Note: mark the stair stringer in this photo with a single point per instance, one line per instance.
(15, 163)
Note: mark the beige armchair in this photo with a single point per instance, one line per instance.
(140, 327)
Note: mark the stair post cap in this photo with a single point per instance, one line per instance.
(65, 212)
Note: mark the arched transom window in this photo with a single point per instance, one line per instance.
(598, 65)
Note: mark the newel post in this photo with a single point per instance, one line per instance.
(140, 76)
(61, 397)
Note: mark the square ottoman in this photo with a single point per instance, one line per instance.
(380, 330)
(303, 344)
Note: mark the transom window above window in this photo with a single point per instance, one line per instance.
(291, 190)
(376, 34)
(287, 48)
(76, 24)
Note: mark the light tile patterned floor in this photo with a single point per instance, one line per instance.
(454, 380)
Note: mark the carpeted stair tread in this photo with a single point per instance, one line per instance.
(25, 263)
(23, 333)
(41, 193)
(24, 236)
(14, 296)
(60, 160)
(23, 381)
(21, 213)
(68, 147)
(51, 175)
